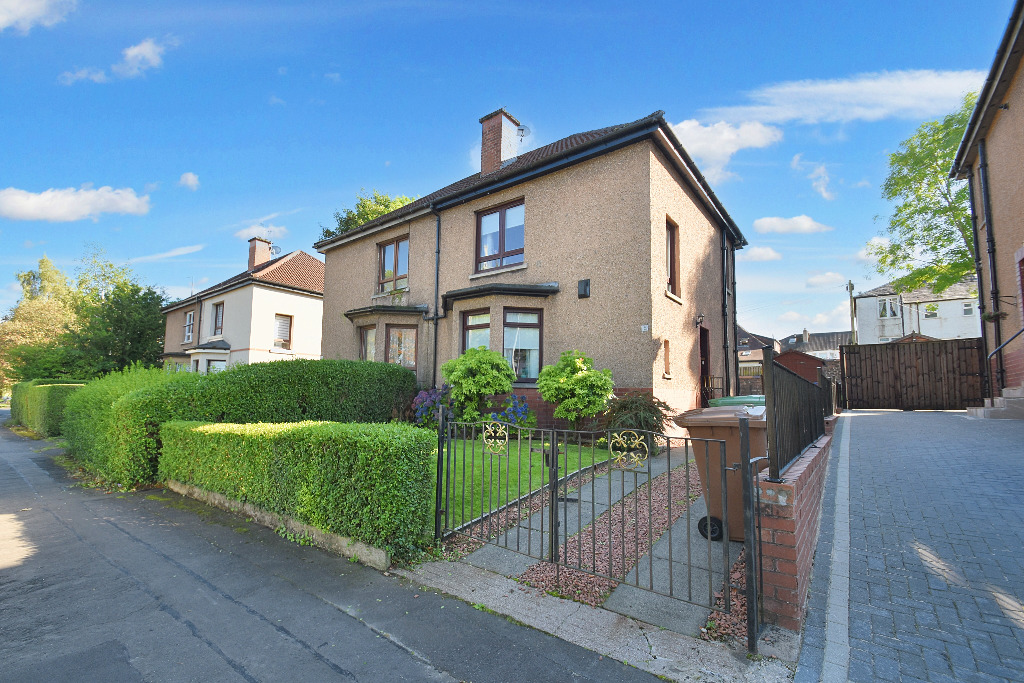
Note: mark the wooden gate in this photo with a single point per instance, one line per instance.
(933, 375)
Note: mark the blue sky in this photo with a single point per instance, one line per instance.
(167, 133)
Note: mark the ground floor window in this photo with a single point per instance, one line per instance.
(367, 343)
(215, 365)
(401, 347)
(522, 342)
(476, 329)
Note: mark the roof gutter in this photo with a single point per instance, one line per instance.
(986, 107)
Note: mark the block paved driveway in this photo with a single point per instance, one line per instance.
(936, 551)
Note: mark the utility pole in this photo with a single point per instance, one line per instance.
(853, 314)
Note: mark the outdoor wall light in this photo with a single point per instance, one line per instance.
(699, 320)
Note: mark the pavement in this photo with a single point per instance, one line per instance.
(919, 570)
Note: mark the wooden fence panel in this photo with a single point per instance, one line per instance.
(935, 375)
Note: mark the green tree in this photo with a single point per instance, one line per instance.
(123, 328)
(929, 233)
(368, 207)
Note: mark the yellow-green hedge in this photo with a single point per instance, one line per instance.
(39, 404)
(370, 482)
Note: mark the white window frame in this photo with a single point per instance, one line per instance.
(189, 319)
(968, 308)
(931, 311)
(889, 307)
(279, 341)
(217, 329)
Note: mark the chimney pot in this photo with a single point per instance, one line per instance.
(807, 336)
(498, 140)
(259, 252)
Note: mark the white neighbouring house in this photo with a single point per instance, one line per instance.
(885, 315)
(271, 311)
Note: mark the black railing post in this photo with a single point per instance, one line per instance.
(749, 536)
(438, 500)
(552, 458)
(767, 369)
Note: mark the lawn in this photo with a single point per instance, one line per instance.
(482, 478)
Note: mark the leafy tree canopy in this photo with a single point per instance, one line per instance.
(368, 207)
(929, 240)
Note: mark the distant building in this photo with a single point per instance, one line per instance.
(885, 315)
(824, 345)
(750, 359)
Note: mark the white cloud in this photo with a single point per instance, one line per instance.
(828, 279)
(268, 230)
(754, 254)
(714, 145)
(863, 256)
(836, 319)
(334, 77)
(189, 180)
(862, 183)
(792, 317)
(819, 181)
(138, 59)
(68, 204)
(24, 14)
(796, 224)
(274, 99)
(282, 71)
(179, 251)
(84, 74)
(912, 95)
(29, 244)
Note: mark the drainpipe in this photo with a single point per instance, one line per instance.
(725, 311)
(735, 322)
(986, 380)
(437, 292)
(993, 286)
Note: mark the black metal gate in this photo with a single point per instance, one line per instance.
(621, 506)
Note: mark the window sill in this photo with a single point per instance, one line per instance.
(388, 295)
(186, 342)
(216, 337)
(524, 384)
(282, 351)
(673, 297)
(498, 271)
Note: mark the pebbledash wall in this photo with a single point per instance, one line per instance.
(790, 522)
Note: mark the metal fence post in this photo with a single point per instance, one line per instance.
(438, 500)
(768, 363)
(551, 455)
(749, 533)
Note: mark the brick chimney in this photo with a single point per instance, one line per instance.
(259, 252)
(499, 141)
(807, 336)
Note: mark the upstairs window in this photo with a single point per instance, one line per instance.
(889, 307)
(189, 317)
(672, 257)
(501, 237)
(394, 265)
(931, 311)
(218, 319)
(282, 331)
(522, 344)
(968, 308)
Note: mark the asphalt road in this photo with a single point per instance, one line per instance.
(150, 586)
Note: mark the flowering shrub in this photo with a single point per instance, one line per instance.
(516, 412)
(576, 387)
(474, 377)
(425, 406)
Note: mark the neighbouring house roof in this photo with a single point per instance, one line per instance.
(965, 289)
(913, 337)
(993, 92)
(816, 341)
(567, 151)
(753, 342)
(218, 345)
(297, 271)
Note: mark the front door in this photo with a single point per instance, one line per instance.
(705, 367)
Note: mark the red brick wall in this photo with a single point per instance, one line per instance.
(802, 364)
(790, 520)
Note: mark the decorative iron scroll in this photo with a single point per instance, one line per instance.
(629, 450)
(495, 438)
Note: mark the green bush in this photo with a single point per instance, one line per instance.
(39, 404)
(475, 376)
(90, 426)
(282, 391)
(636, 410)
(370, 482)
(578, 390)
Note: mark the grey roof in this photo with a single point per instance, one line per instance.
(544, 157)
(817, 341)
(965, 289)
(754, 341)
(217, 345)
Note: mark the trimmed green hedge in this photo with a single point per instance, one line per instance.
(39, 404)
(90, 426)
(281, 391)
(370, 482)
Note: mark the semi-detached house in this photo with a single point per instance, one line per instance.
(270, 311)
(609, 241)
